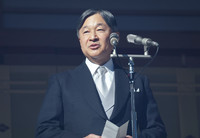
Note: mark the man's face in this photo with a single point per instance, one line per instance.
(94, 39)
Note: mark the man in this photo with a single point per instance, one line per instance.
(75, 106)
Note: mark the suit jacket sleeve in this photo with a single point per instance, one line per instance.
(51, 114)
(149, 120)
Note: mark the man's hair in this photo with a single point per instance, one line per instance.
(106, 15)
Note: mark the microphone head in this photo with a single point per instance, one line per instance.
(114, 39)
(135, 39)
(131, 38)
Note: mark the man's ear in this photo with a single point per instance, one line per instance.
(78, 38)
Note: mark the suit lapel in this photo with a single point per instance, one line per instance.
(88, 89)
(121, 91)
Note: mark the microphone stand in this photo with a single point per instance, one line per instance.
(132, 80)
(131, 84)
(132, 90)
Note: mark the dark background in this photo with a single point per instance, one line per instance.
(38, 38)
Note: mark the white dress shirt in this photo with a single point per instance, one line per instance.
(108, 100)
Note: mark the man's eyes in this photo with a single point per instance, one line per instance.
(99, 30)
(85, 32)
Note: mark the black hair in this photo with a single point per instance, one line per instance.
(106, 15)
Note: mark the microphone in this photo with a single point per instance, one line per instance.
(140, 41)
(114, 39)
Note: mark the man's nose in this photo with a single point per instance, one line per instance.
(93, 36)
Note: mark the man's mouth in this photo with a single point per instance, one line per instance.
(94, 46)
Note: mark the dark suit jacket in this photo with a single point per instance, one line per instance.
(72, 107)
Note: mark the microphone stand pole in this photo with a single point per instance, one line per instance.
(132, 90)
(131, 84)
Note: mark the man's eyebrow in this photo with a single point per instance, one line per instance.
(84, 27)
(99, 24)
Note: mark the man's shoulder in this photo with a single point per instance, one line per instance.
(70, 72)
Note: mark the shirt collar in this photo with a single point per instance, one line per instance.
(93, 67)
